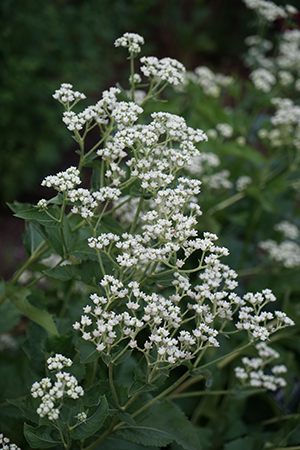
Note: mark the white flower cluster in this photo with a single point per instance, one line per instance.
(164, 318)
(5, 444)
(132, 41)
(67, 96)
(287, 252)
(243, 182)
(218, 180)
(166, 69)
(63, 181)
(288, 229)
(126, 114)
(87, 202)
(262, 79)
(199, 163)
(266, 9)
(210, 82)
(257, 322)
(252, 374)
(52, 393)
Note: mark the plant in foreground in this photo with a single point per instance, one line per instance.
(132, 306)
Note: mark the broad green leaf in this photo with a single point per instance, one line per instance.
(245, 152)
(59, 344)
(41, 437)
(161, 424)
(31, 238)
(27, 408)
(112, 225)
(9, 316)
(81, 250)
(92, 423)
(61, 239)
(87, 351)
(164, 279)
(246, 443)
(41, 216)
(85, 272)
(18, 207)
(34, 349)
(96, 176)
(112, 443)
(18, 296)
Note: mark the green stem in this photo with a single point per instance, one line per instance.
(112, 387)
(61, 435)
(186, 385)
(225, 203)
(162, 394)
(39, 251)
(136, 215)
(132, 73)
(220, 392)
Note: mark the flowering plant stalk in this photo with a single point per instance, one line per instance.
(126, 321)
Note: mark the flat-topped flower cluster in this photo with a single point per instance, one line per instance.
(147, 173)
(52, 393)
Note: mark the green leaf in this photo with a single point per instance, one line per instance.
(18, 207)
(112, 443)
(18, 296)
(162, 279)
(161, 424)
(92, 423)
(41, 437)
(41, 216)
(61, 239)
(85, 272)
(96, 176)
(112, 225)
(246, 443)
(81, 249)
(31, 238)
(27, 409)
(245, 152)
(9, 316)
(87, 351)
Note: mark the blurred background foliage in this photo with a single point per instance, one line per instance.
(45, 43)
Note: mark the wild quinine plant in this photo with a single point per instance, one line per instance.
(111, 287)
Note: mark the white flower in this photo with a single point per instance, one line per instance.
(132, 41)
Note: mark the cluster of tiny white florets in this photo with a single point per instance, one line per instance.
(5, 444)
(67, 96)
(257, 322)
(160, 316)
(88, 202)
(218, 180)
(262, 79)
(288, 229)
(267, 9)
(252, 374)
(126, 114)
(132, 41)
(63, 181)
(51, 393)
(243, 182)
(199, 163)
(285, 123)
(166, 69)
(210, 82)
(287, 252)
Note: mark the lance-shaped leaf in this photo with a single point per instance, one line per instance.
(93, 423)
(18, 296)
